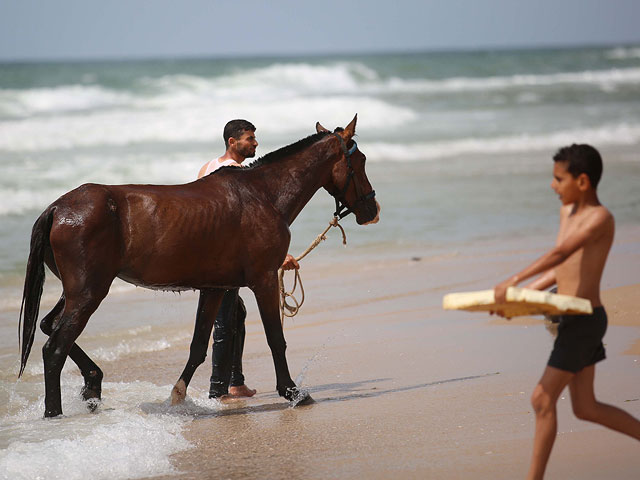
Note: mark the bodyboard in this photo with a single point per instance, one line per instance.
(520, 301)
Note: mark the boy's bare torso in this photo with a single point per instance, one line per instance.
(579, 275)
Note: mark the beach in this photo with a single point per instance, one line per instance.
(460, 158)
(406, 390)
(401, 387)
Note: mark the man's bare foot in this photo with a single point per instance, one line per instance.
(242, 391)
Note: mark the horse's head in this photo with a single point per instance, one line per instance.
(349, 184)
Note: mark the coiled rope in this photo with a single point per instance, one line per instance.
(288, 309)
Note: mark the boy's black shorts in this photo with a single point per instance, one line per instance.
(579, 341)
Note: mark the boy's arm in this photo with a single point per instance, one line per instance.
(544, 281)
(594, 226)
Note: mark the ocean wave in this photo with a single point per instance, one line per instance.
(603, 79)
(17, 201)
(68, 98)
(622, 53)
(293, 80)
(282, 82)
(621, 134)
(182, 167)
(197, 123)
(276, 81)
(179, 168)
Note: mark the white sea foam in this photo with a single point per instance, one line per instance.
(282, 82)
(276, 81)
(16, 201)
(134, 346)
(285, 81)
(622, 53)
(67, 98)
(118, 442)
(620, 134)
(194, 124)
(603, 79)
(180, 168)
(111, 353)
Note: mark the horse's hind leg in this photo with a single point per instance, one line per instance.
(74, 318)
(208, 306)
(91, 373)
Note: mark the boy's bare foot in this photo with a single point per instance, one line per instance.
(242, 391)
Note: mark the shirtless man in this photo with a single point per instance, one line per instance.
(229, 325)
(575, 265)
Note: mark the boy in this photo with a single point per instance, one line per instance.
(575, 265)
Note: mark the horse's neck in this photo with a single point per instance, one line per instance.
(292, 181)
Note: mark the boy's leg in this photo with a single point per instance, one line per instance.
(586, 407)
(543, 399)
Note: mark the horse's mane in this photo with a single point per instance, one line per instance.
(278, 154)
(288, 150)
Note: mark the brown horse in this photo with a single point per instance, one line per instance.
(229, 229)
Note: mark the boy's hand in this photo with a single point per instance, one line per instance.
(290, 263)
(500, 293)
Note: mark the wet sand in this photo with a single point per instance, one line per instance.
(404, 389)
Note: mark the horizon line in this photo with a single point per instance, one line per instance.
(107, 58)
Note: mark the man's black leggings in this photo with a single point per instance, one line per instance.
(228, 343)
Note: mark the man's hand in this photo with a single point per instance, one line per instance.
(290, 263)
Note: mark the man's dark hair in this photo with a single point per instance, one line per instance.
(235, 129)
(581, 159)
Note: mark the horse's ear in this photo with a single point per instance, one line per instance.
(320, 128)
(350, 130)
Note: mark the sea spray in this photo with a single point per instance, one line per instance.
(302, 375)
(119, 441)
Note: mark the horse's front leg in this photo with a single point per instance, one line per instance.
(208, 306)
(269, 307)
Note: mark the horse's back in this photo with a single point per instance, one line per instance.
(171, 236)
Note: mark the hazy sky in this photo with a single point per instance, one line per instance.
(67, 29)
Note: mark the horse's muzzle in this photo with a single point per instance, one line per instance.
(369, 213)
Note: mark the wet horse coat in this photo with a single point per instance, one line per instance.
(229, 229)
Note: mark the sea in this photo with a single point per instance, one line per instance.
(459, 148)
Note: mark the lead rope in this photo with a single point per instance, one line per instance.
(287, 309)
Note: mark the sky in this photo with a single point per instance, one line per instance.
(115, 29)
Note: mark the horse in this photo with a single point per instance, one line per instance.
(226, 230)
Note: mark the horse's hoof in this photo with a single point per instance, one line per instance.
(93, 404)
(178, 393)
(92, 389)
(53, 413)
(91, 393)
(295, 395)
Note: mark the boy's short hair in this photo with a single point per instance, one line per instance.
(580, 159)
(235, 129)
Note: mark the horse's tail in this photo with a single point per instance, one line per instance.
(33, 283)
